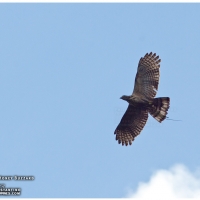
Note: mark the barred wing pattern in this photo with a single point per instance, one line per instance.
(131, 124)
(147, 77)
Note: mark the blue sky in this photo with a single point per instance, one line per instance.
(63, 68)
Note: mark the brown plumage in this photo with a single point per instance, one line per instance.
(142, 101)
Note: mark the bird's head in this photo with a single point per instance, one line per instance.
(125, 97)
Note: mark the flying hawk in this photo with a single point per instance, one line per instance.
(142, 101)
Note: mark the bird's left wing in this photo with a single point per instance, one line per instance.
(131, 124)
(147, 77)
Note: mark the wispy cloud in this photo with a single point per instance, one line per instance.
(177, 182)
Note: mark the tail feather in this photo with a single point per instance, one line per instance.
(159, 108)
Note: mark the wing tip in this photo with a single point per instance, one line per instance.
(123, 141)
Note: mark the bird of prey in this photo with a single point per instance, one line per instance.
(142, 101)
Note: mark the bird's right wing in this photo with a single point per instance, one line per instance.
(131, 124)
(147, 77)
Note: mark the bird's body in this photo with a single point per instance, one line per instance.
(142, 101)
(135, 101)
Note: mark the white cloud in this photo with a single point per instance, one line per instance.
(177, 182)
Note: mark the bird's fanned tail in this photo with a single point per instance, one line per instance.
(159, 108)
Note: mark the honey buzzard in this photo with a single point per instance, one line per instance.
(142, 101)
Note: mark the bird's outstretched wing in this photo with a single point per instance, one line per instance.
(147, 77)
(131, 124)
